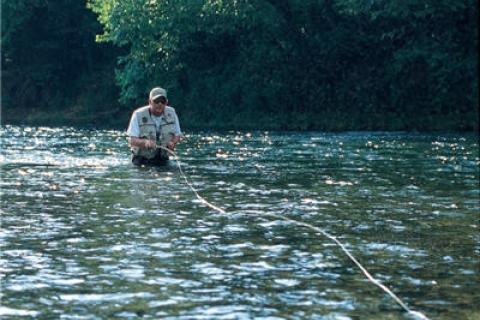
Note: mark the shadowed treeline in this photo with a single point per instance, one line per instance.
(263, 64)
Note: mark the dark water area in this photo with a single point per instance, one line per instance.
(85, 235)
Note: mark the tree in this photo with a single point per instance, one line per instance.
(50, 60)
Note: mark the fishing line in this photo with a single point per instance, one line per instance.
(367, 274)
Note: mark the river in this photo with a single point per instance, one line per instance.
(85, 235)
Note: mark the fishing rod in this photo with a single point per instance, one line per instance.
(416, 314)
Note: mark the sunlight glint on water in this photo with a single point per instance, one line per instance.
(84, 234)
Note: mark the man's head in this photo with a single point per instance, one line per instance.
(158, 100)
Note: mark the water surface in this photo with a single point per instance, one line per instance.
(84, 235)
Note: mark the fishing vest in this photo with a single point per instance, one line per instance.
(161, 134)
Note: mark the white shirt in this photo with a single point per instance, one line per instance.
(134, 131)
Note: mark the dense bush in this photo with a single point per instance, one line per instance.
(53, 71)
(262, 64)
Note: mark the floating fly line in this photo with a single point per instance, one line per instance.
(367, 274)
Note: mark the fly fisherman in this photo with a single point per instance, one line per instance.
(153, 126)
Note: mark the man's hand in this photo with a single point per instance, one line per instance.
(150, 144)
(171, 145)
(173, 142)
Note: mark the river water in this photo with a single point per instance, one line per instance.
(85, 235)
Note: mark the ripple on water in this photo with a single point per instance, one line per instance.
(107, 297)
(5, 311)
(84, 234)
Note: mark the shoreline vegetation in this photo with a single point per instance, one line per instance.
(118, 120)
(289, 65)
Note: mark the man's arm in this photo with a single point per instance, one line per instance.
(133, 132)
(142, 143)
(178, 134)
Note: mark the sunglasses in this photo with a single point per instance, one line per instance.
(158, 100)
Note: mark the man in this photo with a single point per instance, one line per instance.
(153, 125)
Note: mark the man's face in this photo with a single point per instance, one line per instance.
(158, 105)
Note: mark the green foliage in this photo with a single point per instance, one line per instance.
(294, 64)
(251, 64)
(431, 69)
(51, 64)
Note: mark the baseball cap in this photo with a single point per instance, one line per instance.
(157, 92)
